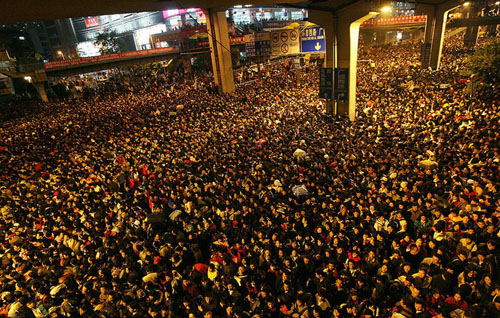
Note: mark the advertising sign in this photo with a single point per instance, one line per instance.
(173, 12)
(91, 22)
(250, 48)
(274, 24)
(312, 40)
(258, 44)
(285, 42)
(5, 91)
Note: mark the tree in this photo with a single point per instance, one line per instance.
(485, 63)
(109, 42)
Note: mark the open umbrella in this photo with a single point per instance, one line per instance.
(293, 25)
(260, 142)
(299, 154)
(299, 190)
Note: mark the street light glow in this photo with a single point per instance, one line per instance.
(466, 4)
(497, 3)
(60, 52)
(386, 9)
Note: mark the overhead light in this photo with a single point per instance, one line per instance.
(27, 79)
(466, 4)
(60, 52)
(386, 9)
(497, 3)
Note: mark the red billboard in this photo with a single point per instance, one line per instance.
(91, 22)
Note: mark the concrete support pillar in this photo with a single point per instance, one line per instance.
(326, 21)
(471, 32)
(438, 38)
(381, 37)
(40, 87)
(330, 59)
(470, 37)
(491, 30)
(220, 50)
(343, 31)
(347, 31)
(434, 30)
(186, 64)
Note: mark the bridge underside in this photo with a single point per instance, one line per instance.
(479, 21)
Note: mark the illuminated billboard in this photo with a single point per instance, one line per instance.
(91, 22)
(174, 12)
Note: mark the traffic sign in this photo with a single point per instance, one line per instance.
(325, 83)
(276, 37)
(313, 40)
(341, 84)
(284, 36)
(284, 48)
(425, 52)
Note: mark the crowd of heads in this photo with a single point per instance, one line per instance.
(155, 196)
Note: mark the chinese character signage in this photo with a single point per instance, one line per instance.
(425, 52)
(325, 83)
(91, 22)
(341, 84)
(312, 40)
(274, 24)
(258, 44)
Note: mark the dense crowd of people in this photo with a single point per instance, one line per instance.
(157, 197)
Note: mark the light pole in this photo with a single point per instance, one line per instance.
(61, 54)
(471, 91)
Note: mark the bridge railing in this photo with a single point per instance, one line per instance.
(31, 67)
(397, 20)
(107, 57)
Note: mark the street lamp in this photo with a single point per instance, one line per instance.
(386, 9)
(61, 54)
(466, 4)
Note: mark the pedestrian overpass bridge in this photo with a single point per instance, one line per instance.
(110, 61)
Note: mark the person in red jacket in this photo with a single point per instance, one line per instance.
(456, 302)
(434, 301)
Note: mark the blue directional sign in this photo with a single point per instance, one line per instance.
(313, 40)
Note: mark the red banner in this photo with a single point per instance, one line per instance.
(106, 58)
(91, 22)
(398, 20)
